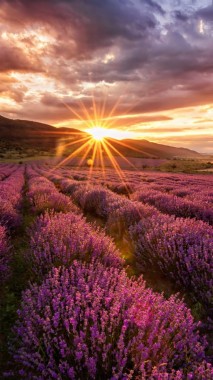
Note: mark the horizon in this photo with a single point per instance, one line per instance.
(119, 139)
(139, 69)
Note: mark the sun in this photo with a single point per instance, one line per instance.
(98, 133)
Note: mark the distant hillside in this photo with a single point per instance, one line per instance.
(144, 148)
(33, 134)
(22, 135)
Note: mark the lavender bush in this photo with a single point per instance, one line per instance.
(90, 322)
(121, 188)
(9, 216)
(5, 256)
(203, 371)
(58, 239)
(126, 214)
(43, 196)
(119, 212)
(181, 248)
(10, 199)
(174, 205)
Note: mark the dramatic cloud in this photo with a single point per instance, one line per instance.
(151, 58)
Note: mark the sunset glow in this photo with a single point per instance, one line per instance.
(98, 133)
(63, 55)
(106, 189)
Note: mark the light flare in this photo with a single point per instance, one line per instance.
(98, 133)
(97, 148)
(201, 27)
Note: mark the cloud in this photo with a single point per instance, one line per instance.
(53, 52)
(87, 25)
(14, 59)
(155, 6)
(206, 13)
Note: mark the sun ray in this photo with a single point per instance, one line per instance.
(63, 133)
(98, 133)
(102, 162)
(75, 142)
(86, 112)
(77, 151)
(126, 160)
(103, 108)
(120, 154)
(113, 110)
(113, 118)
(113, 161)
(93, 160)
(94, 109)
(77, 114)
(97, 143)
(86, 153)
(132, 148)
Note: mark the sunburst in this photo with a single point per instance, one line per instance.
(98, 133)
(97, 146)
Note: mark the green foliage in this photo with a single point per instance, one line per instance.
(185, 166)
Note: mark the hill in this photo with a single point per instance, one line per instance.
(147, 149)
(32, 137)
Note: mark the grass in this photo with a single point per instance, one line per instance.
(11, 294)
(26, 159)
(186, 166)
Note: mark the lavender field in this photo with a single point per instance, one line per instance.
(105, 278)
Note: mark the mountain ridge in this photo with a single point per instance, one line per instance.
(47, 137)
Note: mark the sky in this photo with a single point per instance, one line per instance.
(140, 67)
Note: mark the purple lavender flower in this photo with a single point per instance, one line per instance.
(10, 199)
(58, 239)
(181, 249)
(43, 195)
(93, 322)
(5, 256)
(174, 205)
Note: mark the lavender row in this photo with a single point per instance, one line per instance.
(10, 199)
(43, 195)
(159, 181)
(191, 192)
(89, 320)
(93, 322)
(5, 255)
(174, 205)
(196, 188)
(192, 189)
(181, 248)
(6, 171)
(10, 218)
(58, 239)
(118, 212)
